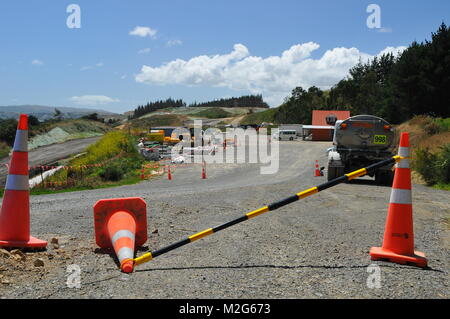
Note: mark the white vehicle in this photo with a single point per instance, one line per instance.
(285, 135)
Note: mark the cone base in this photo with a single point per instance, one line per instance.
(418, 259)
(31, 243)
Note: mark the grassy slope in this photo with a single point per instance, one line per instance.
(58, 132)
(214, 113)
(116, 150)
(106, 150)
(74, 129)
(160, 120)
(267, 116)
(71, 126)
(420, 137)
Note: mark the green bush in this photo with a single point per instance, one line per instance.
(432, 128)
(444, 124)
(8, 130)
(434, 168)
(443, 165)
(423, 163)
(111, 173)
(110, 145)
(4, 149)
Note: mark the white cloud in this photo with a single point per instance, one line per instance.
(143, 32)
(394, 50)
(92, 100)
(172, 43)
(144, 51)
(273, 76)
(37, 62)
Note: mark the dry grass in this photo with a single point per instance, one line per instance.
(160, 120)
(419, 137)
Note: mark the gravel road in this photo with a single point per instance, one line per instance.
(314, 248)
(50, 153)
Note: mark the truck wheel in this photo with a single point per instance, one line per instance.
(340, 171)
(384, 177)
(331, 173)
(389, 178)
(291, 139)
(334, 172)
(379, 177)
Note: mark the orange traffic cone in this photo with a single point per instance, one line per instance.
(121, 224)
(203, 171)
(398, 241)
(15, 212)
(169, 174)
(317, 170)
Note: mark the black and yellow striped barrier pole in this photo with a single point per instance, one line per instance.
(342, 179)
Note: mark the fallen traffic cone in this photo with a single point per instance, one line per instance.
(398, 241)
(317, 170)
(203, 171)
(121, 224)
(15, 212)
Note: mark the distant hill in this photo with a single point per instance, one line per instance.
(247, 101)
(46, 112)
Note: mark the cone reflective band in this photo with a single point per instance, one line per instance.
(398, 240)
(15, 211)
(286, 201)
(121, 224)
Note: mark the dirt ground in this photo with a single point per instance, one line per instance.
(314, 248)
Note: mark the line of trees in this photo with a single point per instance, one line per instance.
(155, 106)
(395, 88)
(243, 101)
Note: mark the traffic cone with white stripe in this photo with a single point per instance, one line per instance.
(121, 224)
(398, 241)
(15, 212)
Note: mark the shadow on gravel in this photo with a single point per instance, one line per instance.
(369, 182)
(282, 267)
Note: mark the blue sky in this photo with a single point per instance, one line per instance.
(195, 50)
